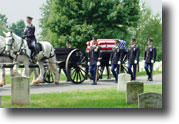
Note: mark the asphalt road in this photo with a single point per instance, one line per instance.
(63, 86)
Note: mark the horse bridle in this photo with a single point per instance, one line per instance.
(11, 42)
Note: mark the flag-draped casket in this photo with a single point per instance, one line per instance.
(106, 44)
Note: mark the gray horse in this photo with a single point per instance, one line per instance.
(4, 59)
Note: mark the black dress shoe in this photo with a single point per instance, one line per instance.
(150, 79)
(94, 83)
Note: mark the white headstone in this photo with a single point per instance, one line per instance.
(133, 90)
(20, 91)
(150, 100)
(122, 81)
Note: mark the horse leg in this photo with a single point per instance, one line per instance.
(54, 69)
(16, 70)
(42, 71)
(26, 72)
(3, 81)
(12, 72)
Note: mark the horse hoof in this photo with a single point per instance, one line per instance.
(56, 83)
(36, 82)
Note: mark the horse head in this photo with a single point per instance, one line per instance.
(9, 41)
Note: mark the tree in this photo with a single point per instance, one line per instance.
(3, 23)
(79, 20)
(149, 26)
(18, 28)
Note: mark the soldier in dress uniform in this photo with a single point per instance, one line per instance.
(115, 60)
(94, 60)
(149, 58)
(30, 36)
(133, 54)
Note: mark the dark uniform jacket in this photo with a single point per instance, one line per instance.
(30, 32)
(115, 55)
(94, 55)
(150, 54)
(133, 54)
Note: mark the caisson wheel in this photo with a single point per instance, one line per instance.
(77, 66)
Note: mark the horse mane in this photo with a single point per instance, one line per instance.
(16, 37)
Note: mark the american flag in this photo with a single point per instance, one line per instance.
(107, 44)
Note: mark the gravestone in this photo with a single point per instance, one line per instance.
(20, 91)
(0, 101)
(150, 100)
(133, 90)
(122, 81)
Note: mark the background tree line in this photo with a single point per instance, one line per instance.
(79, 20)
(17, 27)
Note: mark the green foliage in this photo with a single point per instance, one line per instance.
(149, 26)
(18, 28)
(79, 20)
(3, 22)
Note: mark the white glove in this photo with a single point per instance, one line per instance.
(135, 62)
(126, 62)
(98, 63)
(109, 62)
(119, 62)
(152, 61)
(88, 63)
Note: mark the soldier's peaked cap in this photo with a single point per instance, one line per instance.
(29, 18)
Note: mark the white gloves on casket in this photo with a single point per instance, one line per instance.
(88, 63)
(110, 62)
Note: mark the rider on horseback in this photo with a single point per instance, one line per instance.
(30, 36)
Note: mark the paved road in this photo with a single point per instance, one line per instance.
(49, 88)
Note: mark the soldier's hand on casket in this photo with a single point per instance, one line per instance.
(88, 63)
(119, 62)
(152, 61)
(98, 63)
(109, 62)
(135, 62)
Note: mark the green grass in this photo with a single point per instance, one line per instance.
(99, 98)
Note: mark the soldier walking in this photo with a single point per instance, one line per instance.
(115, 60)
(94, 60)
(149, 58)
(133, 58)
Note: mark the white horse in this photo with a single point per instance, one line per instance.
(15, 43)
(4, 59)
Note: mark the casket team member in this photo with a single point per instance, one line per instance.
(149, 58)
(115, 60)
(133, 54)
(68, 45)
(94, 60)
(30, 35)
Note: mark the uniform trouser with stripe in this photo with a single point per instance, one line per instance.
(147, 67)
(92, 69)
(132, 73)
(115, 71)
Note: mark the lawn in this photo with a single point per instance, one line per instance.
(99, 98)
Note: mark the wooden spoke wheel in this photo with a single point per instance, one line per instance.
(48, 76)
(77, 66)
